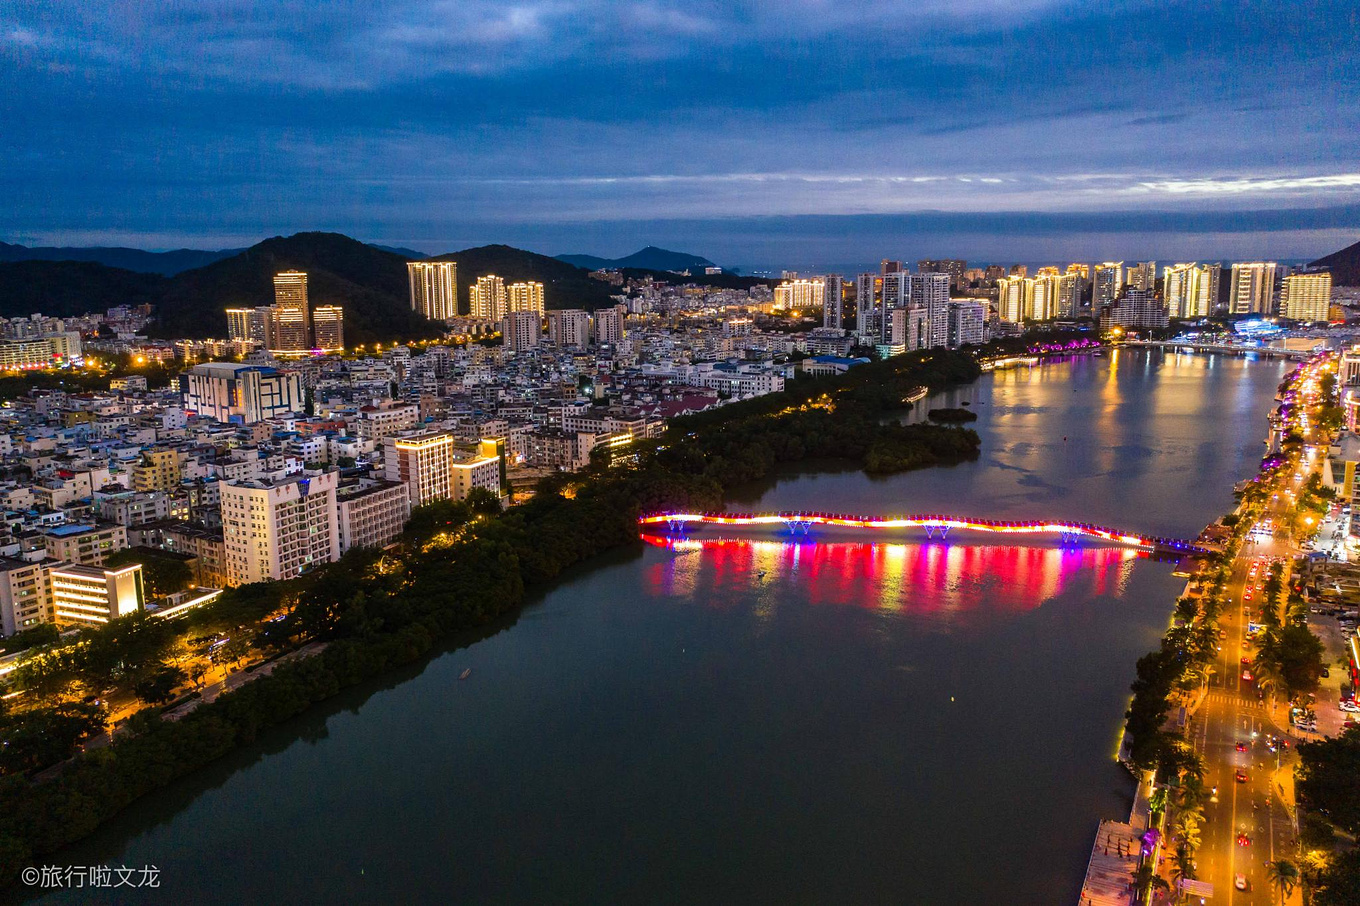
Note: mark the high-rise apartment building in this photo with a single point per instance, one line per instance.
(869, 306)
(434, 288)
(1143, 275)
(930, 291)
(1253, 288)
(521, 330)
(608, 324)
(569, 328)
(525, 297)
(832, 294)
(292, 320)
(488, 298)
(238, 323)
(1068, 292)
(792, 295)
(1307, 296)
(967, 324)
(1041, 296)
(888, 266)
(1108, 283)
(1010, 300)
(1190, 291)
(328, 328)
(262, 325)
(1137, 309)
(954, 267)
(278, 528)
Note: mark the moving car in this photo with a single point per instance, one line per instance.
(1243, 840)
(1240, 882)
(1241, 747)
(1348, 705)
(1246, 675)
(1240, 776)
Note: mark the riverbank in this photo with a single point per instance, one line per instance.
(377, 612)
(1189, 743)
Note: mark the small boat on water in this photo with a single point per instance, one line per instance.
(465, 674)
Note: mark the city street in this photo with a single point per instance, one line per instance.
(1233, 714)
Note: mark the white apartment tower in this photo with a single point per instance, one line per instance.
(1253, 288)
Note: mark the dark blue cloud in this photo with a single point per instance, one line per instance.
(218, 122)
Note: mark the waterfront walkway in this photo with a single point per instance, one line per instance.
(1114, 859)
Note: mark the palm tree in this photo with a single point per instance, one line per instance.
(1284, 876)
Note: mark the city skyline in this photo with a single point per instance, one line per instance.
(587, 127)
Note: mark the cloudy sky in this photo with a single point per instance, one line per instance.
(797, 132)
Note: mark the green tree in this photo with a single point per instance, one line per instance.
(1329, 778)
(1283, 876)
(159, 686)
(163, 572)
(41, 737)
(1339, 883)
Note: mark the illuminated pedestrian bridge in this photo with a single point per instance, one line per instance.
(935, 526)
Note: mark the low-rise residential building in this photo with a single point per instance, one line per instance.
(371, 513)
(84, 543)
(84, 595)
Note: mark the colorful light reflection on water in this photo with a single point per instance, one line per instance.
(928, 578)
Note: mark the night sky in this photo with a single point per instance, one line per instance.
(788, 133)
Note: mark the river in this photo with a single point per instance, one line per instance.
(872, 720)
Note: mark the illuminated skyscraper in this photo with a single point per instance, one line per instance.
(328, 327)
(1010, 301)
(1109, 283)
(1253, 288)
(488, 298)
(1307, 297)
(1189, 290)
(434, 288)
(525, 297)
(238, 323)
(292, 321)
(1143, 276)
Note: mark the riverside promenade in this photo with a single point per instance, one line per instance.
(1114, 857)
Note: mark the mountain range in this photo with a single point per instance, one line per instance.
(369, 281)
(164, 263)
(651, 259)
(1344, 265)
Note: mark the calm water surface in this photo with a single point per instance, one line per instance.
(875, 720)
